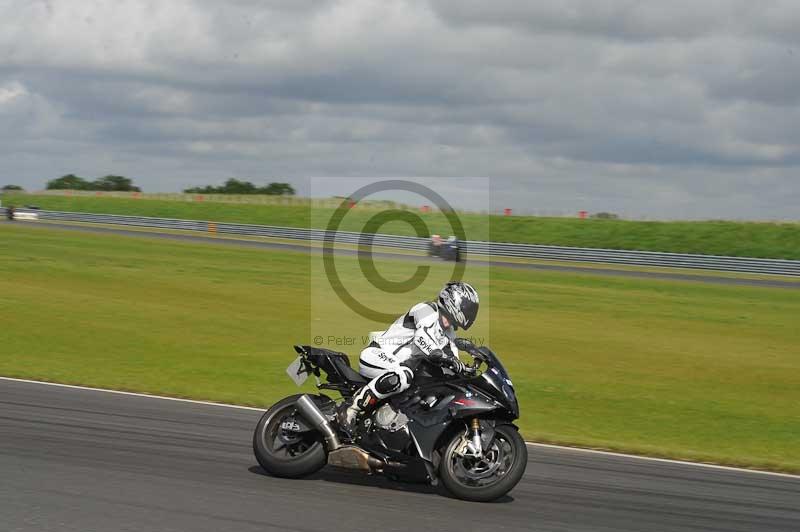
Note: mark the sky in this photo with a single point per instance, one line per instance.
(662, 110)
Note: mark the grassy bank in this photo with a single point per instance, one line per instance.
(745, 239)
(662, 368)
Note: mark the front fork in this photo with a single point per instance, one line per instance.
(473, 447)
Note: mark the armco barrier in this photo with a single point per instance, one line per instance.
(494, 249)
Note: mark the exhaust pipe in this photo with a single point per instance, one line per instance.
(352, 457)
(315, 416)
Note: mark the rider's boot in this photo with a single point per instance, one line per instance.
(364, 401)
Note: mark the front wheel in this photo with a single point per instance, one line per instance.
(487, 478)
(284, 453)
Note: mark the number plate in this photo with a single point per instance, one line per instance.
(296, 373)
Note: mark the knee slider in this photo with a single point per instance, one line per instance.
(387, 383)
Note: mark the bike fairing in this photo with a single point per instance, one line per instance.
(454, 429)
(454, 426)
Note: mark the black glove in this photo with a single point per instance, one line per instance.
(437, 356)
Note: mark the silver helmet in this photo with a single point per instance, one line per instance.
(459, 302)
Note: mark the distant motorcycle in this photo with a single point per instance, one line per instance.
(449, 249)
(445, 427)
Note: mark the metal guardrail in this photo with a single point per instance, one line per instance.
(494, 249)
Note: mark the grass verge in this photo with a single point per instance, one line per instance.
(678, 370)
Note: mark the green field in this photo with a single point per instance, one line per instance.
(744, 239)
(685, 370)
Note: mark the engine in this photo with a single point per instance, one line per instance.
(387, 418)
(391, 427)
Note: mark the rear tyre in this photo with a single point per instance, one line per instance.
(490, 477)
(283, 453)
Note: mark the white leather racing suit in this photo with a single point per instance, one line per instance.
(418, 332)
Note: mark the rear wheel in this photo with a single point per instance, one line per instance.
(285, 453)
(487, 478)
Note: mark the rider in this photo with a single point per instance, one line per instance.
(427, 330)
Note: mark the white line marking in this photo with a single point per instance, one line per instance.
(532, 444)
(224, 405)
(667, 460)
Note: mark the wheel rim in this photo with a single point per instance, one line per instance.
(286, 444)
(487, 470)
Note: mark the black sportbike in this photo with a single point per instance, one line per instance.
(451, 428)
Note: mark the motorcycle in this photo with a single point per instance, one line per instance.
(449, 249)
(457, 429)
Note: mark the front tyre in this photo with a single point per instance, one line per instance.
(487, 478)
(283, 453)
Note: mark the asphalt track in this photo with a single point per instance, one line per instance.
(714, 279)
(84, 460)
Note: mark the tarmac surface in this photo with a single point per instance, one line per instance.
(85, 460)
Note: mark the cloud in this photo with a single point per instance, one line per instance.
(651, 108)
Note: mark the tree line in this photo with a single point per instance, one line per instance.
(235, 186)
(124, 184)
(106, 183)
